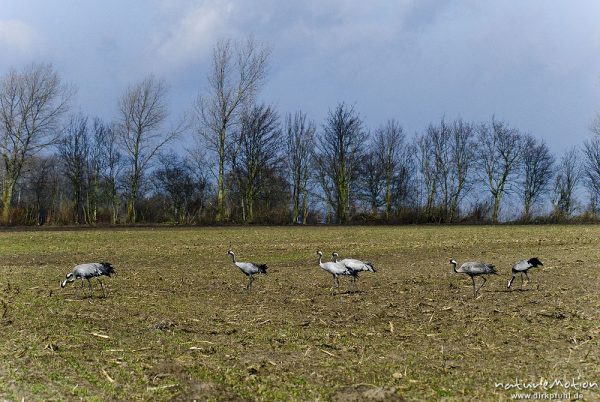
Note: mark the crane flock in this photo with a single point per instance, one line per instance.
(352, 267)
(349, 267)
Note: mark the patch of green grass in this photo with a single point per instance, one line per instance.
(178, 323)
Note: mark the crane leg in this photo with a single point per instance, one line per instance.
(102, 286)
(473, 279)
(90, 286)
(250, 279)
(354, 281)
(521, 279)
(333, 284)
(527, 276)
(484, 281)
(81, 289)
(511, 280)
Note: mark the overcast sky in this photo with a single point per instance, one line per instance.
(534, 64)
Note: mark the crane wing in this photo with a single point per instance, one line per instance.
(478, 268)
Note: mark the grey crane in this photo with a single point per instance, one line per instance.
(355, 265)
(522, 267)
(88, 271)
(473, 269)
(248, 268)
(335, 269)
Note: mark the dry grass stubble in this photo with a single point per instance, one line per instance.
(178, 324)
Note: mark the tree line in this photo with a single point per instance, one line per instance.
(250, 164)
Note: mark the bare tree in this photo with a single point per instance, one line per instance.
(238, 72)
(201, 172)
(591, 171)
(405, 192)
(89, 159)
(176, 180)
(299, 143)
(110, 164)
(568, 175)
(447, 160)
(340, 153)
(463, 160)
(41, 189)
(74, 149)
(96, 163)
(142, 113)
(260, 145)
(386, 171)
(425, 156)
(372, 183)
(389, 146)
(536, 173)
(500, 151)
(440, 137)
(32, 102)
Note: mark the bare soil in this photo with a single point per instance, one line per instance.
(178, 324)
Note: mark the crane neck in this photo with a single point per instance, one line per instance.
(232, 257)
(454, 267)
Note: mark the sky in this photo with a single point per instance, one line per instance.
(534, 64)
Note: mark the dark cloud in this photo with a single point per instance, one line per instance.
(533, 64)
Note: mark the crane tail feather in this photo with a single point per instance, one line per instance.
(107, 269)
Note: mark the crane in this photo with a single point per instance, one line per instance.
(335, 269)
(355, 265)
(522, 267)
(248, 268)
(88, 271)
(475, 268)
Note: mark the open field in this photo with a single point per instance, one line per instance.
(178, 323)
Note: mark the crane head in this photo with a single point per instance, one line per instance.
(319, 253)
